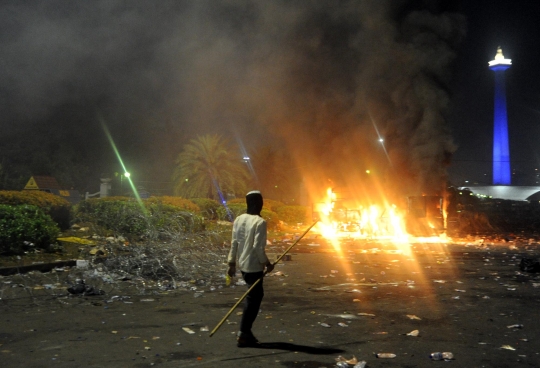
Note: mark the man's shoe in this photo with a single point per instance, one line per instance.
(246, 343)
(245, 340)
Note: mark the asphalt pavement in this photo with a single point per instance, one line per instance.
(365, 297)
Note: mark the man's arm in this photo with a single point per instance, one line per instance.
(231, 259)
(231, 271)
(260, 245)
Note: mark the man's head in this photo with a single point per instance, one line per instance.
(254, 201)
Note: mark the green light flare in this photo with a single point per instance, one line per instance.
(128, 177)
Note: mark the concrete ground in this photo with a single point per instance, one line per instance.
(324, 303)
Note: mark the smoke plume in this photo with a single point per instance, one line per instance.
(325, 78)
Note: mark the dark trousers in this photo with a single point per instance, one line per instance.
(253, 300)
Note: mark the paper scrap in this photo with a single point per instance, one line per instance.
(412, 316)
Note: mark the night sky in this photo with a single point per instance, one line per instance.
(316, 78)
(511, 25)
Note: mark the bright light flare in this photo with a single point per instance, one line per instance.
(375, 222)
(126, 174)
(374, 229)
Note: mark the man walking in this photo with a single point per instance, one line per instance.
(248, 247)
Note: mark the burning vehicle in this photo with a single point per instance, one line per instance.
(425, 215)
(340, 217)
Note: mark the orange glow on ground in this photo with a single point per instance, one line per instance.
(382, 226)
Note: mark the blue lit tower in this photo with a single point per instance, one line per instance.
(501, 153)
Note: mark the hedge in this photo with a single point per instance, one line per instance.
(269, 204)
(237, 209)
(272, 220)
(231, 211)
(126, 216)
(208, 207)
(272, 205)
(25, 227)
(55, 206)
(178, 202)
(292, 214)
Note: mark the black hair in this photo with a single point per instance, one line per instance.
(254, 201)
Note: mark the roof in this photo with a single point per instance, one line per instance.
(515, 193)
(42, 182)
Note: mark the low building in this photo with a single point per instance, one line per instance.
(50, 185)
(508, 192)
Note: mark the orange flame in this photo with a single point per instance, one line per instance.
(378, 222)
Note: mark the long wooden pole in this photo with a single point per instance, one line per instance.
(256, 282)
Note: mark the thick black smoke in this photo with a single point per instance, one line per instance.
(321, 76)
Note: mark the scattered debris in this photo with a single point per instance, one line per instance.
(385, 355)
(529, 265)
(412, 316)
(353, 360)
(80, 288)
(446, 356)
(344, 316)
(515, 326)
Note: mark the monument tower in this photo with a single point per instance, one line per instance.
(501, 152)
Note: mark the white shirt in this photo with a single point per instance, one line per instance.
(248, 243)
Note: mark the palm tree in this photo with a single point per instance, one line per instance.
(209, 167)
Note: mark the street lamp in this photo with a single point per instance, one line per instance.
(127, 175)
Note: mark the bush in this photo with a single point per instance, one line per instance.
(232, 211)
(208, 207)
(113, 199)
(292, 214)
(117, 214)
(237, 201)
(269, 204)
(25, 227)
(167, 221)
(178, 202)
(236, 209)
(126, 216)
(55, 206)
(272, 205)
(272, 220)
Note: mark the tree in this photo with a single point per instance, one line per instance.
(209, 167)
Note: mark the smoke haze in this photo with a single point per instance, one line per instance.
(319, 77)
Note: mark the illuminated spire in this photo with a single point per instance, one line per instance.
(499, 59)
(501, 149)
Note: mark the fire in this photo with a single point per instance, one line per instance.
(356, 227)
(377, 222)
